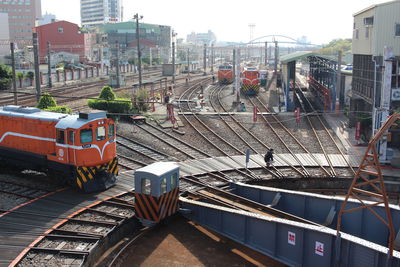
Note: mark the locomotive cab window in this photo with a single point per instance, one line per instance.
(111, 131)
(163, 186)
(60, 136)
(146, 186)
(101, 133)
(174, 179)
(70, 137)
(86, 136)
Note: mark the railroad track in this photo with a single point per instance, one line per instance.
(321, 132)
(213, 140)
(72, 240)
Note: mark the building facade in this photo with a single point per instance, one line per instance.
(201, 38)
(22, 15)
(155, 40)
(63, 36)
(98, 12)
(46, 19)
(374, 28)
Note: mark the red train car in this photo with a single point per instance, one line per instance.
(250, 81)
(225, 74)
(76, 149)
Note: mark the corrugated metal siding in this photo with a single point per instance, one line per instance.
(386, 18)
(363, 45)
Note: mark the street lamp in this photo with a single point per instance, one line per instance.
(137, 17)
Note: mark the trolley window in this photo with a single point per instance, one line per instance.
(174, 180)
(111, 131)
(101, 133)
(86, 136)
(71, 137)
(146, 186)
(163, 186)
(60, 137)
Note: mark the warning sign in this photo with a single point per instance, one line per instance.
(319, 248)
(292, 238)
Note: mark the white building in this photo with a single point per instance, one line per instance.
(46, 19)
(98, 12)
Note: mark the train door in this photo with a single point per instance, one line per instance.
(71, 145)
(61, 147)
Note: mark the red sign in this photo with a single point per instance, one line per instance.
(297, 113)
(358, 130)
(291, 238)
(255, 110)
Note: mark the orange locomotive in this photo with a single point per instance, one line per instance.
(78, 150)
(250, 81)
(225, 74)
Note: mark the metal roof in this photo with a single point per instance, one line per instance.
(158, 168)
(303, 54)
(295, 56)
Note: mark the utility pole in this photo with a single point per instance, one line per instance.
(187, 58)
(49, 66)
(212, 58)
(137, 17)
(13, 74)
(36, 63)
(205, 60)
(338, 97)
(383, 110)
(117, 63)
(234, 71)
(238, 76)
(266, 54)
(173, 61)
(151, 58)
(276, 57)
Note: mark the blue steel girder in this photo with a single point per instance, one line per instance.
(293, 243)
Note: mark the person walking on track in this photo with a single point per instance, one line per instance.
(269, 157)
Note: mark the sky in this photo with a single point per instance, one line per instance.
(320, 20)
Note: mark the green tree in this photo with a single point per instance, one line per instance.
(30, 75)
(46, 101)
(20, 76)
(107, 93)
(5, 77)
(336, 44)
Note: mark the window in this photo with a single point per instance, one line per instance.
(357, 34)
(101, 133)
(146, 186)
(163, 186)
(174, 180)
(60, 136)
(71, 137)
(86, 136)
(369, 21)
(397, 30)
(366, 32)
(111, 131)
(60, 29)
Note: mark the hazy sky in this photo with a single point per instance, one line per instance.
(319, 20)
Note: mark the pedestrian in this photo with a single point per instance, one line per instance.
(269, 157)
(213, 79)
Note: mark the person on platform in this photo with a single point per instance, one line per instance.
(269, 157)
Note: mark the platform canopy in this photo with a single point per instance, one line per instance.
(302, 54)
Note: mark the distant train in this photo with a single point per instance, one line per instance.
(225, 74)
(250, 81)
(263, 77)
(79, 150)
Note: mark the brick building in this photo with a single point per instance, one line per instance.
(63, 36)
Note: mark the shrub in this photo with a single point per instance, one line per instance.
(123, 105)
(59, 109)
(107, 93)
(5, 77)
(141, 97)
(46, 101)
